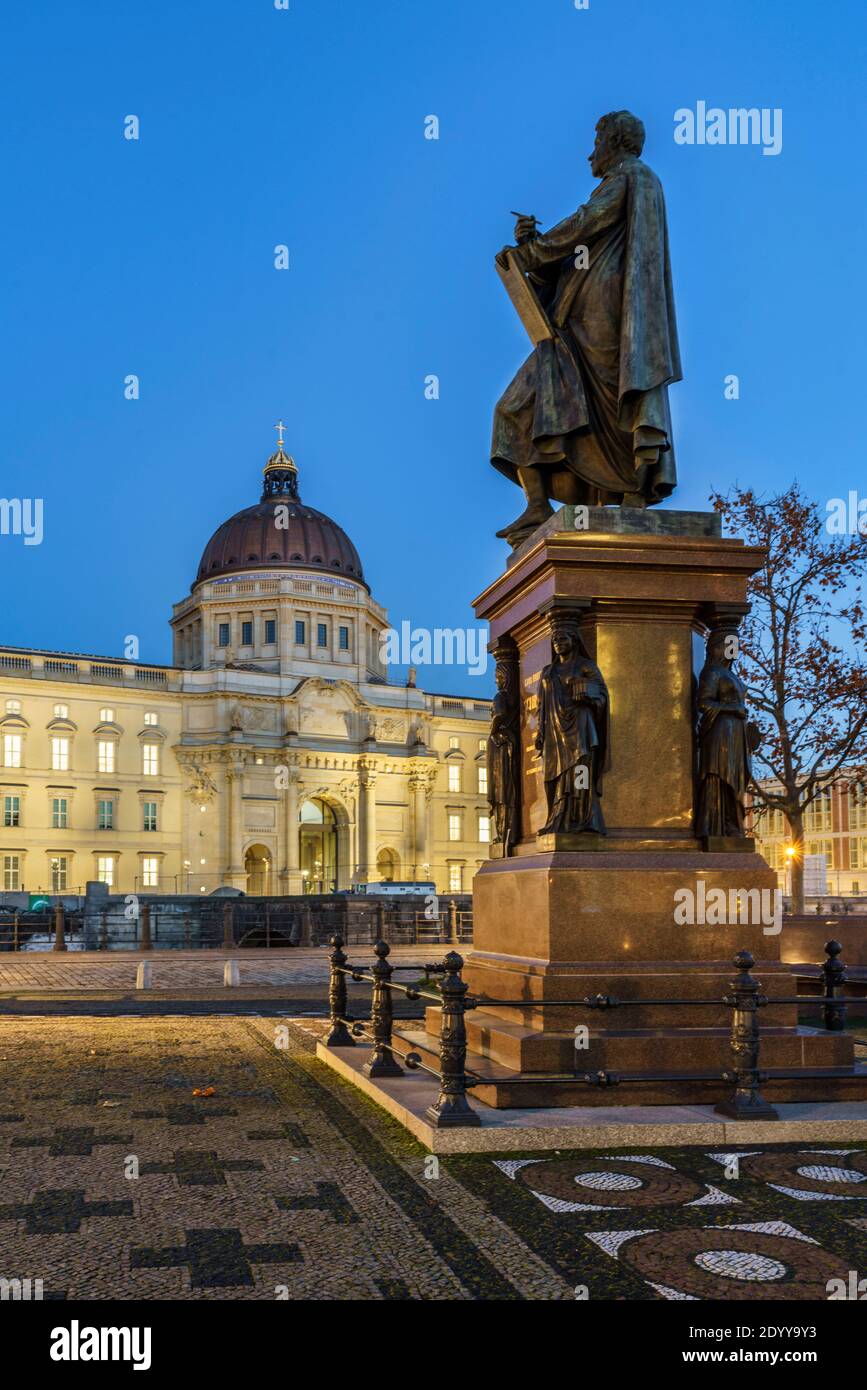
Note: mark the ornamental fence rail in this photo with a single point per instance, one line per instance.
(451, 1108)
(228, 924)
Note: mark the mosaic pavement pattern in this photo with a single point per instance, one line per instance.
(118, 1181)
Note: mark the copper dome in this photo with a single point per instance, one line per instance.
(252, 539)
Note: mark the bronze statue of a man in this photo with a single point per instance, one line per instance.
(726, 742)
(573, 734)
(586, 420)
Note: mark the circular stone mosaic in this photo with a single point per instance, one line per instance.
(841, 1175)
(708, 1263)
(590, 1182)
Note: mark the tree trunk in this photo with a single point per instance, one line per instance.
(796, 861)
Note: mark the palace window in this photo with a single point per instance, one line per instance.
(60, 754)
(105, 869)
(13, 706)
(11, 872)
(484, 830)
(105, 755)
(270, 631)
(246, 633)
(151, 717)
(12, 810)
(483, 743)
(150, 755)
(454, 741)
(222, 634)
(59, 813)
(343, 638)
(454, 777)
(817, 816)
(483, 781)
(58, 866)
(150, 872)
(456, 878)
(105, 814)
(106, 716)
(858, 854)
(300, 633)
(858, 807)
(322, 634)
(455, 826)
(61, 711)
(11, 750)
(149, 815)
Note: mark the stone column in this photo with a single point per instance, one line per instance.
(235, 787)
(293, 833)
(418, 788)
(367, 836)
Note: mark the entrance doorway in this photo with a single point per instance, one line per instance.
(257, 866)
(318, 835)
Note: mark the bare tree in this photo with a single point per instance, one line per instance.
(801, 654)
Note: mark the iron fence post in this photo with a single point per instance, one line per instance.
(228, 937)
(381, 1061)
(833, 974)
(59, 928)
(746, 1102)
(337, 998)
(452, 1107)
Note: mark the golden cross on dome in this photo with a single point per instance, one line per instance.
(279, 427)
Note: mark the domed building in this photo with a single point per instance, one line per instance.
(273, 755)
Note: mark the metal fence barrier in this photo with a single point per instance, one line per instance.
(451, 1108)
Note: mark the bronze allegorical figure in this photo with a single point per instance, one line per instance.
(573, 734)
(726, 742)
(504, 752)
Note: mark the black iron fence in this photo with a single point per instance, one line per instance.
(745, 999)
(137, 924)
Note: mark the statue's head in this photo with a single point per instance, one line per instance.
(722, 647)
(617, 134)
(566, 639)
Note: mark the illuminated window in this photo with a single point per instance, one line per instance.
(60, 754)
(454, 777)
(150, 873)
(455, 827)
(61, 711)
(105, 869)
(105, 754)
(456, 878)
(105, 815)
(483, 781)
(106, 716)
(454, 741)
(484, 830)
(150, 753)
(11, 872)
(59, 813)
(58, 865)
(13, 706)
(149, 815)
(11, 750)
(483, 743)
(12, 810)
(151, 717)
(858, 854)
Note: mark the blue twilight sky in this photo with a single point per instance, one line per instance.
(305, 126)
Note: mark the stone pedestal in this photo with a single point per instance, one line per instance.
(564, 916)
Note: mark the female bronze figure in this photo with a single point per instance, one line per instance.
(503, 755)
(572, 738)
(725, 743)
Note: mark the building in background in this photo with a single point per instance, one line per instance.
(835, 826)
(272, 756)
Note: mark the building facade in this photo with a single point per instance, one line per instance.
(273, 755)
(835, 826)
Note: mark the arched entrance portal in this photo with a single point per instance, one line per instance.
(387, 866)
(257, 866)
(319, 856)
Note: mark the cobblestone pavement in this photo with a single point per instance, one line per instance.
(184, 970)
(286, 1182)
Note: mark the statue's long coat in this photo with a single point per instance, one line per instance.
(586, 399)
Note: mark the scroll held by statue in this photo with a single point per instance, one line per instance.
(527, 304)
